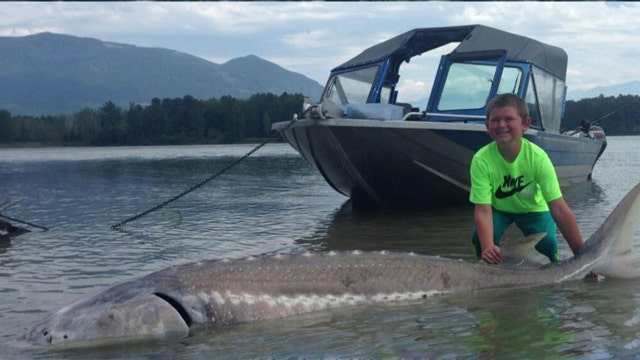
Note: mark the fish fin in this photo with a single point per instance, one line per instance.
(624, 266)
(524, 249)
(614, 240)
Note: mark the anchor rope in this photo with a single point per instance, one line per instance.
(264, 142)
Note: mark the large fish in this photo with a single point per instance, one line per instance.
(169, 302)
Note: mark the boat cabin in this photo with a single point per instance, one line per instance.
(486, 62)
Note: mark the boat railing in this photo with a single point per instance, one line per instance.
(413, 115)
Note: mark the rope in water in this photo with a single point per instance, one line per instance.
(119, 225)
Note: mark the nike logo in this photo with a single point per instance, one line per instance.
(515, 185)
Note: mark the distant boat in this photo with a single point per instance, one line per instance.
(382, 153)
(6, 228)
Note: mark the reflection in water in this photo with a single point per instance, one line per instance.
(5, 243)
(445, 231)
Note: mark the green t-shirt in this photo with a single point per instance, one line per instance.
(526, 185)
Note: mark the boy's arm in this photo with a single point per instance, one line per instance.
(484, 225)
(566, 220)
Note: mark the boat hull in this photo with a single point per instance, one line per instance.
(416, 163)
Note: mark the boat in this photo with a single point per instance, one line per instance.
(7, 229)
(383, 153)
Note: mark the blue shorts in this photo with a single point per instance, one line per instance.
(529, 224)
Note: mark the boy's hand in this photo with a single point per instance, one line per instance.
(492, 255)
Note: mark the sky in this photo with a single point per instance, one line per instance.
(601, 38)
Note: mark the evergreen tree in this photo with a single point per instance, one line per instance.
(6, 126)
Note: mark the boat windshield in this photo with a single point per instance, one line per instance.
(352, 87)
(468, 85)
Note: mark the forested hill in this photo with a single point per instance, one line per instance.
(48, 73)
(228, 120)
(618, 115)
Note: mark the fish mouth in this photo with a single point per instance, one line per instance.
(151, 316)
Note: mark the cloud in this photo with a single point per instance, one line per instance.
(254, 17)
(313, 37)
(305, 39)
(413, 91)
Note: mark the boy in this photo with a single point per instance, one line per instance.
(513, 180)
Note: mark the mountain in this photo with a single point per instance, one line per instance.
(48, 74)
(630, 88)
(251, 73)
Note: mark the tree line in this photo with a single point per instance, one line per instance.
(229, 120)
(619, 115)
(168, 121)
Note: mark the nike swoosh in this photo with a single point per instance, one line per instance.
(500, 194)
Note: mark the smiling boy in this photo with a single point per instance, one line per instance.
(513, 180)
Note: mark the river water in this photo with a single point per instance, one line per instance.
(274, 202)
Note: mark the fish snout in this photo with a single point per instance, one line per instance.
(43, 335)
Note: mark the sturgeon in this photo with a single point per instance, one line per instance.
(170, 302)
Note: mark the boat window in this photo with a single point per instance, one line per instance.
(352, 87)
(335, 92)
(510, 80)
(532, 103)
(385, 94)
(468, 85)
(550, 92)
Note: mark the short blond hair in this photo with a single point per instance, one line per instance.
(504, 100)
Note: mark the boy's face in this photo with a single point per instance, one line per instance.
(505, 124)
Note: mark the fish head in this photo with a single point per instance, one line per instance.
(111, 317)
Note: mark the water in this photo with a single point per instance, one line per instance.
(275, 202)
